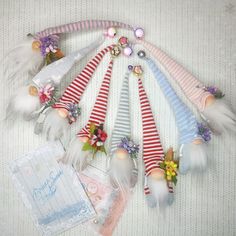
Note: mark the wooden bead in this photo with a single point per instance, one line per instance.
(33, 91)
(62, 112)
(197, 141)
(157, 174)
(121, 154)
(209, 100)
(36, 45)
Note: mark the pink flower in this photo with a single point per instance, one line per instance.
(46, 93)
(102, 135)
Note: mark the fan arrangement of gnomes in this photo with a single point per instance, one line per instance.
(46, 65)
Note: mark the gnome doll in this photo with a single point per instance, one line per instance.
(158, 190)
(123, 170)
(207, 99)
(66, 110)
(193, 136)
(91, 139)
(29, 101)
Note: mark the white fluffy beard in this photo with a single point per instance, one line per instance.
(76, 157)
(121, 173)
(21, 60)
(220, 117)
(194, 158)
(159, 190)
(23, 104)
(54, 125)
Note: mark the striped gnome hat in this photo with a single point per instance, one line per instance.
(214, 111)
(192, 135)
(156, 187)
(66, 110)
(38, 52)
(123, 170)
(92, 137)
(42, 48)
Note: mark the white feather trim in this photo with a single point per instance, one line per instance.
(55, 126)
(22, 103)
(220, 117)
(194, 158)
(22, 59)
(159, 190)
(121, 172)
(76, 157)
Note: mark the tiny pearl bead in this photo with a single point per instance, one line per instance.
(111, 32)
(128, 51)
(139, 33)
(141, 54)
(130, 67)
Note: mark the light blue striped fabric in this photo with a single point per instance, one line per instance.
(122, 123)
(185, 119)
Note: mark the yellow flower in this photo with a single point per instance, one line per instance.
(170, 169)
(168, 177)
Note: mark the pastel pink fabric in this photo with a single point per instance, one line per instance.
(81, 26)
(190, 85)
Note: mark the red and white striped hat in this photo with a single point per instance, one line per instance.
(98, 114)
(153, 153)
(75, 90)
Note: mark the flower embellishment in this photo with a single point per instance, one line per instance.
(137, 70)
(204, 132)
(115, 51)
(170, 166)
(48, 47)
(123, 41)
(124, 46)
(129, 146)
(96, 140)
(73, 112)
(216, 92)
(46, 93)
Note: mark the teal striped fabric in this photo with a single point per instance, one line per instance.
(122, 123)
(185, 119)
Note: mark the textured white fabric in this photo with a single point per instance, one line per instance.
(199, 34)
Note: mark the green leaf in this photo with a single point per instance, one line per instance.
(102, 149)
(162, 165)
(87, 147)
(134, 156)
(94, 152)
(47, 59)
(174, 180)
(92, 128)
